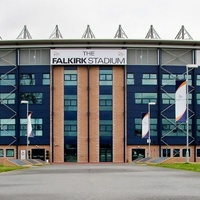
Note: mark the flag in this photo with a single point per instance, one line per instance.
(180, 99)
(145, 125)
(29, 126)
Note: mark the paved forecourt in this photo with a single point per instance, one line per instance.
(99, 182)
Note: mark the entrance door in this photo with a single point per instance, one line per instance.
(70, 153)
(105, 155)
(38, 154)
(138, 153)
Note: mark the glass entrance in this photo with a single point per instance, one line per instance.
(138, 153)
(106, 154)
(38, 154)
(70, 153)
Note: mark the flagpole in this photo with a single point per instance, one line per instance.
(27, 141)
(27, 134)
(149, 111)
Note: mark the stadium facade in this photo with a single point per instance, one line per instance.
(87, 97)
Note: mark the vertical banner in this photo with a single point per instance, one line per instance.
(145, 125)
(29, 125)
(180, 99)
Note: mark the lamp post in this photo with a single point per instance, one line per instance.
(27, 110)
(187, 109)
(149, 111)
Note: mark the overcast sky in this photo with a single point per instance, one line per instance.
(103, 16)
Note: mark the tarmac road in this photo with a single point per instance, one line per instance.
(99, 182)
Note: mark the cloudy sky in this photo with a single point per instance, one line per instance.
(103, 16)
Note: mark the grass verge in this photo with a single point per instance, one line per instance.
(6, 169)
(183, 166)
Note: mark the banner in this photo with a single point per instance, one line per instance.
(88, 57)
(180, 101)
(29, 125)
(145, 125)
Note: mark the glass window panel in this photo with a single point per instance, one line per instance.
(198, 152)
(38, 133)
(8, 79)
(108, 77)
(32, 98)
(145, 98)
(1, 153)
(176, 57)
(142, 56)
(130, 75)
(105, 77)
(27, 79)
(105, 102)
(9, 152)
(105, 127)
(184, 152)
(102, 77)
(70, 77)
(70, 102)
(7, 127)
(130, 79)
(166, 152)
(102, 71)
(176, 152)
(7, 98)
(34, 57)
(70, 128)
(149, 79)
(37, 127)
(46, 79)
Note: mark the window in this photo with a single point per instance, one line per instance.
(130, 79)
(142, 56)
(198, 80)
(70, 128)
(105, 102)
(7, 127)
(105, 128)
(7, 79)
(9, 152)
(176, 57)
(32, 98)
(70, 153)
(168, 98)
(1, 153)
(198, 152)
(198, 99)
(166, 152)
(37, 127)
(70, 77)
(171, 128)
(70, 102)
(170, 79)
(149, 79)
(46, 79)
(145, 98)
(34, 57)
(7, 98)
(105, 77)
(184, 152)
(138, 127)
(27, 79)
(176, 152)
(198, 127)
(8, 57)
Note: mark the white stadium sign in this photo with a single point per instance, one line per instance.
(88, 57)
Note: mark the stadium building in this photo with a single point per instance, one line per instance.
(86, 98)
